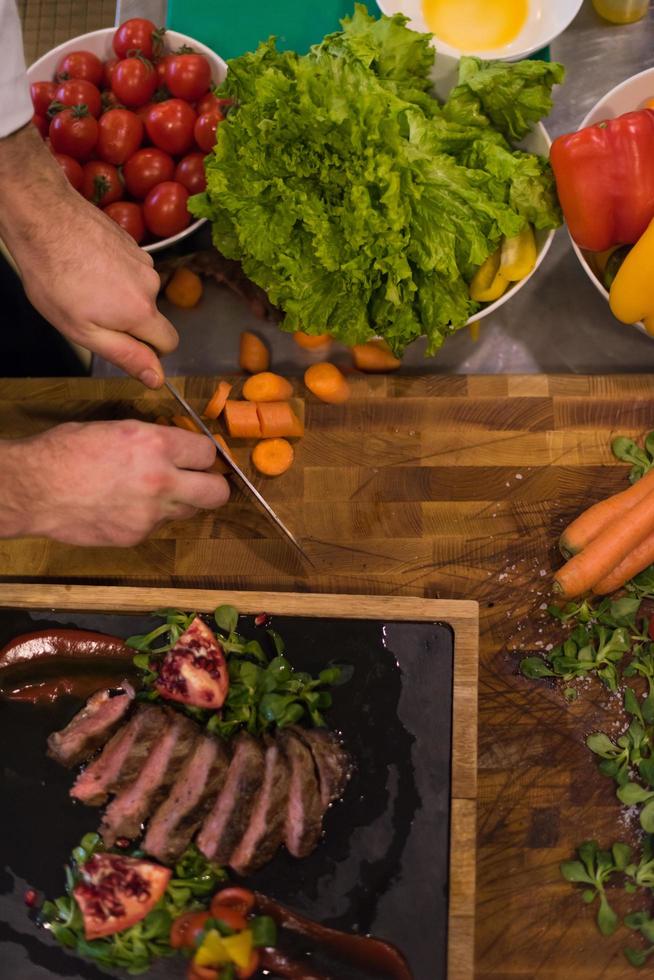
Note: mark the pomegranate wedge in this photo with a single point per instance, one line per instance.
(195, 672)
(116, 892)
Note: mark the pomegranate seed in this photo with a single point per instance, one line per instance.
(262, 619)
(122, 842)
(30, 898)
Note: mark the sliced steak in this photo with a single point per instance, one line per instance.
(230, 815)
(191, 796)
(332, 761)
(122, 758)
(92, 726)
(130, 808)
(305, 807)
(265, 831)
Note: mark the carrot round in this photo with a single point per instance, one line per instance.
(184, 288)
(254, 356)
(310, 341)
(375, 357)
(278, 419)
(267, 387)
(242, 420)
(272, 457)
(184, 422)
(589, 524)
(607, 550)
(327, 383)
(217, 401)
(635, 562)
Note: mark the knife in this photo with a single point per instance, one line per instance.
(235, 468)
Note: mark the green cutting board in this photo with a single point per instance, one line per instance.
(231, 29)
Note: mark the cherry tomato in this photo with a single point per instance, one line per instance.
(190, 173)
(42, 123)
(196, 972)
(74, 132)
(208, 103)
(165, 210)
(43, 94)
(80, 64)
(119, 135)
(77, 91)
(137, 34)
(108, 70)
(245, 972)
(134, 81)
(170, 126)
(71, 168)
(241, 899)
(109, 101)
(186, 928)
(205, 128)
(102, 184)
(187, 76)
(147, 168)
(129, 216)
(232, 917)
(160, 68)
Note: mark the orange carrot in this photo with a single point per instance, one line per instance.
(184, 288)
(272, 457)
(607, 550)
(184, 422)
(254, 355)
(219, 465)
(267, 387)
(161, 420)
(327, 383)
(217, 401)
(277, 419)
(312, 341)
(589, 524)
(242, 420)
(635, 562)
(375, 357)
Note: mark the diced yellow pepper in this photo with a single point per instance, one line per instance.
(488, 283)
(631, 296)
(519, 255)
(239, 947)
(474, 330)
(212, 952)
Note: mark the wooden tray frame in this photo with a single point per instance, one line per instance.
(461, 616)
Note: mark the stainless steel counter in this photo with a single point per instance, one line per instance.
(557, 323)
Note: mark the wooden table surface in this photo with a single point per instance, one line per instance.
(445, 487)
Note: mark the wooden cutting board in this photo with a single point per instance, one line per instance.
(448, 487)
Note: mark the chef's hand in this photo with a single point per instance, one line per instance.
(105, 483)
(81, 271)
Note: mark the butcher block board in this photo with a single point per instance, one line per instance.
(460, 618)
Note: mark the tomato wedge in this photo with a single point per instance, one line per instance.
(186, 928)
(115, 892)
(241, 899)
(230, 916)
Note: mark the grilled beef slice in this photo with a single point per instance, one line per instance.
(192, 794)
(122, 758)
(305, 807)
(265, 831)
(230, 815)
(332, 761)
(130, 808)
(92, 726)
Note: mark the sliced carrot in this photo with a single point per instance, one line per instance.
(254, 356)
(242, 420)
(184, 422)
(310, 341)
(267, 387)
(589, 524)
(375, 357)
(272, 457)
(278, 419)
(217, 401)
(161, 420)
(327, 383)
(219, 465)
(607, 550)
(635, 562)
(184, 288)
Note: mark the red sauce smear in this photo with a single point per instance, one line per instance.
(48, 664)
(364, 951)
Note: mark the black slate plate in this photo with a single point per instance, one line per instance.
(383, 865)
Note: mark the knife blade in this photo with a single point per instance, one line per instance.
(235, 468)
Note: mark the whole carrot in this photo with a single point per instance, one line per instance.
(589, 524)
(635, 562)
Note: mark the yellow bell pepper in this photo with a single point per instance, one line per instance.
(631, 297)
(488, 283)
(239, 947)
(212, 952)
(518, 256)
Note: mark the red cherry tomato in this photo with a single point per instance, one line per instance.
(231, 916)
(205, 128)
(134, 81)
(186, 928)
(187, 76)
(245, 972)
(108, 70)
(147, 168)
(74, 132)
(190, 173)
(241, 899)
(119, 135)
(43, 94)
(196, 972)
(77, 91)
(42, 123)
(101, 184)
(80, 64)
(137, 34)
(160, 68)
(165, 210)
(109, 101)
(170, 126)
(129, 216)
(71, 168)
(207, 103)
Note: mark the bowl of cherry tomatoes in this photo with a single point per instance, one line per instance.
(130, 114)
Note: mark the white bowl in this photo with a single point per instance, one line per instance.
(99, 42)
(546, 20)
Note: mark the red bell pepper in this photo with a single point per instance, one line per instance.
(605, 180)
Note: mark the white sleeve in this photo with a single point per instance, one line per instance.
(15, 102)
